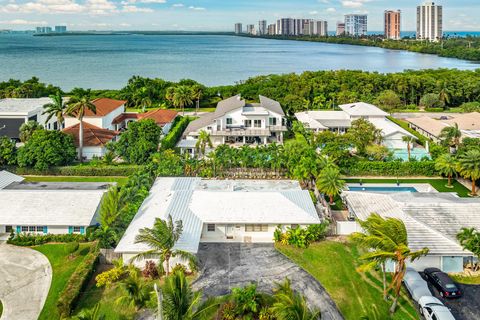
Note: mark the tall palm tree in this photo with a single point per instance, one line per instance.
(409, 140)
(197, 95)
(182, 97)
(469, 167)
(450, 136)
(388, 240)
(447, 165)
(181, 303)
(162, 239)
(55, 109)
(444, 95)
(136, 293)
(142, 98)
(291, 305)
(77, 107)
(203, 141)
(329, 182)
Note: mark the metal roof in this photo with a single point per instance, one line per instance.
(7, 178)
(362, 109)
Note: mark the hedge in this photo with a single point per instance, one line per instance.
(396, 168)
(28, 239)
(90, 171)
(78, 281)
(178, 127)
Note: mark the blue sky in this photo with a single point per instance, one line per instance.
(216, 15)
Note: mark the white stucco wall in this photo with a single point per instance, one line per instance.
(394, 141)
(104, 122)
(90, 152)
(50, 229)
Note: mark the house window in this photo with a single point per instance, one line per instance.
(248, 123)
(256, 227)
(39, 228)
(272, 121)
(257, 123)
(210, 227)
(24, 229)
(31, 229)
(229, 121)
(77, 229)
(8, 229)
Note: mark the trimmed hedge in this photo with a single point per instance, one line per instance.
(88, 171)
(28, 239)
(77, 282)
(396, 168)
(178, 127)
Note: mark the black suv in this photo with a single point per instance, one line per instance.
(443, 283)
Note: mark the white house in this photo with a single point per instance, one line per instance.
(237, 122)
(14, 112)
(220, 211)
(48, 211)
(341, 121)
(105, 111)
(433, 220)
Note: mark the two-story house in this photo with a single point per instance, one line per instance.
(236, 122)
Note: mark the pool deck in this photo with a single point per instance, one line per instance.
(420, 187)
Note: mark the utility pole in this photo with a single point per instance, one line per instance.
(158, 292)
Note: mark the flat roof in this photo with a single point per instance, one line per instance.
(197, 201)
(49, 207)
(22, 106)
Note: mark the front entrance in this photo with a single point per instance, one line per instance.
(230, 231)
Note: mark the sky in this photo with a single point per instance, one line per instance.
(216, 15)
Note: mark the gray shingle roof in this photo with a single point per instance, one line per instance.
(7, 178)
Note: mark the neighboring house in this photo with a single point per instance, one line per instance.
(95, 139)
(341, 121)
(163, 118)
(220, 211)
(15, 112)
(238, 123)
(48, 211)
(468, 123)
(106, 111)
(433, 220)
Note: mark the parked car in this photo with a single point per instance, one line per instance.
(443, 283)
(416, 286)
(433, 309)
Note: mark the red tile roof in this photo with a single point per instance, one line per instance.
(161, 116)
(124, 116)
(104, 106)
(92, 136)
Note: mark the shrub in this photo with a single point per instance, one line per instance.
(298, 237)
(108, 277)
(178, 127)
(150, 270)
(139, 142)
(317, 232)
(71, 247)
(278, 234)
(77, 282)
(28, 239)
(431, 101)
(179, 268)
(8, 151)
(85, 170)
(394, 168)
(470, 106)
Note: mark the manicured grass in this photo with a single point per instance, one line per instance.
(1, 308)
(438, 184)
(466, 280)
(63, 267)
(119, 180)
(334, 265)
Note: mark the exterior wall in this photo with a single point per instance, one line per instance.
(166, 128)
(50, 229)
(90, 152)
(395, 141)
(345, 228)
(104, 122)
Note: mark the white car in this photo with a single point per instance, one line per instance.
(433, 309)
(416, 286)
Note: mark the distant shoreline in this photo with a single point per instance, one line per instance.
(126, 33)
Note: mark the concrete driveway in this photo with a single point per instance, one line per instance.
(227, 265)
(25, 277)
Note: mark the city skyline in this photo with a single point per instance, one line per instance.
(215, 15)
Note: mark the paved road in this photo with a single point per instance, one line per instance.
(465, 308)
(225, 266)
(25, 277)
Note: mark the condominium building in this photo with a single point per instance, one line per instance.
(251, 29)
(340, 28)
(262, 27)
(315, 28)
(238, 28)
(285, 27)
(43, 29)
(272, 29)
(356, 24)
(60, 29)
(429, 22)
(392, 24)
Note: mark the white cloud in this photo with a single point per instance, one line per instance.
(331, 10)
(178, 5)
(135, 9)
(314, 12)
(125, 24)
(23, 22)
(91, 7)
(196, 8)
(355, 4)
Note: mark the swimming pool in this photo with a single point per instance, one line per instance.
(383, 189)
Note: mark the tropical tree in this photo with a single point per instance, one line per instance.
(162, 239)
(181, 303)
(55, 109)
(90, 314)
(203, 141)
(450, 136)
(409, 140)
(387, 240)
(469, 167)
(329, 182)
(27, 129)
(8, 151)
(142, 98)
(182, 97)
(443, 95)
(197, 93)
(136, 292)
(447, 165)
(291, 305)
(247, 300)
(364, 133)
(470, 240)
(77, 106)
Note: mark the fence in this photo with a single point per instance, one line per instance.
(108, 255)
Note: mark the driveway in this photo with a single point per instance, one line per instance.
(25, 277)
(465, 308)
(227, 265)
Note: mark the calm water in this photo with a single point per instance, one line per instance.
(107, 62)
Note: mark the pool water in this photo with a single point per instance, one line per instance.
(383, 189)
(415, 153)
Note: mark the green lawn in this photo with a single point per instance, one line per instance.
(63, 267)
(334, 265)
(1, 308)
(119, 180)
(439, 184)
(466, 280)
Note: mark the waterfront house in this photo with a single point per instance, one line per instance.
(237, 123)
(241, 211)
(163, 118)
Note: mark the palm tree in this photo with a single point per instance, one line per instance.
(137, 293)
(142, 98)
(469, 167)
(290, 305)
(161, 239)
(197, 95)
(451, 136)
(443, 95)
(77, 107)
(409, 140)
(387, 240)
(182, 97)
(27, 129)
(329, 182)
(203, 141)
(90, 314)
(55, 109)
(447, 165)
(181, 303)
